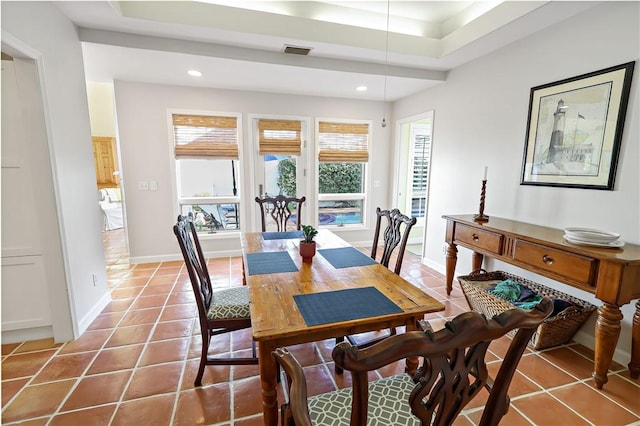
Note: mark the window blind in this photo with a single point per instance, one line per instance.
(343, 142)
(279, 137)
(198, 136)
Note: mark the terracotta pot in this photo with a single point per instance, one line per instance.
(307, 251)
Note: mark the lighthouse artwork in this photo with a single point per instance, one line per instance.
(574, 129)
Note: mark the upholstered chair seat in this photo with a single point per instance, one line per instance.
(229, 303)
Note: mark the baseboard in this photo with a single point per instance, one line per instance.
(93, 313)
(27, 334)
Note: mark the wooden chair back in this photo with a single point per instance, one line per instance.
(280, 209)
(396, 234)
(454, 369)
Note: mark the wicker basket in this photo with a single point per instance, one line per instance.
(553, 331)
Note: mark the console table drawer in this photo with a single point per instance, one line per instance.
(483, 240)
(571, 266)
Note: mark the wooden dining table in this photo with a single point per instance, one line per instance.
(277, 319)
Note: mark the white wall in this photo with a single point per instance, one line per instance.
(39, 29)
(146, 154)
(101, 111)
(480, 120)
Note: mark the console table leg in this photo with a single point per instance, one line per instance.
(452, 259)
(606, 334)
(476, 261)
(634, 365)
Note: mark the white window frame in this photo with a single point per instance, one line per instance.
(178, 201)
(343, 196)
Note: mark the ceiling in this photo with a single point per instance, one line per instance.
(395, 48)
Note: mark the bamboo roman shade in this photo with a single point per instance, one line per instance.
(203, 136)
(279, 137)
(343, 142)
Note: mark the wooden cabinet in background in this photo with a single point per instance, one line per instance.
(106, 161)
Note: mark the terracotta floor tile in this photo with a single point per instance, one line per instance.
(241, 339)
(36, 401)
(140, 316)
(623, 391)
(23, 365)
(95, 416)
(164, 351)
(38, 345)
(65, 367)
(155, 301)
(544, 410)
(172, 330)
(7, 348)
(593, 405)
(203, 406)
(247, 397)
(318, 380)
(88, 341)
(520, 384)
(119, 358)
(118, 305)
(97, 390)
(181, 298)
(543, 372)
(570, 361)
(250, 421)
(176, 312)
(162, 280)
(154, 380)
(125, 293)
(213, 374)
(104, 321)
(10, 388)
(154, 290)
(154, 411)
(129, 335)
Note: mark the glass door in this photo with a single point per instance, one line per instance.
(280, 165)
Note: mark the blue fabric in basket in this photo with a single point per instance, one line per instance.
(344, 305)
(346, 257)
(288, 235)
(270, 263)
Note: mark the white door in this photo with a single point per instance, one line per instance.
(281, 172)
(413, 164)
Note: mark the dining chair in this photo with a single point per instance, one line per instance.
(281, 209)
(396, 235)
(219, 312)
(453, 372)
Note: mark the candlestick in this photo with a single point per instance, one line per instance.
(481, 217)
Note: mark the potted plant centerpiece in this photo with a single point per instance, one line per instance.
(308, 246)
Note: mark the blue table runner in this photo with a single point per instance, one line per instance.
(270, 263)
(344, 305)
(346, 257)
(288, 235)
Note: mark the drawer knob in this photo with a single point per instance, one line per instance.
(547, 259)
(475, 237)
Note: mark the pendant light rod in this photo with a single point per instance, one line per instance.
(386, 63)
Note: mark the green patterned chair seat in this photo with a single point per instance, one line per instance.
(229, 303)
(388, 404)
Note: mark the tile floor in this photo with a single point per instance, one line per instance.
(136, 363)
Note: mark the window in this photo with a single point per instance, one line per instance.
(420, 158)
(343, 153)
(207, 175)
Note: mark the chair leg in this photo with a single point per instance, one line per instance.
(203, 363)
(339, 370)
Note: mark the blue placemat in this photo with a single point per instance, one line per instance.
(288, 235)
(344, 305)
(270, 263)
(346, 257)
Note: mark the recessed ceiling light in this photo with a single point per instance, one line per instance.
(361, 88)
(194, 73)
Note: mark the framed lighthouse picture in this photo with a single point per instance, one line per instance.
(575, 129)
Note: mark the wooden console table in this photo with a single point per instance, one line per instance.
(612, 274)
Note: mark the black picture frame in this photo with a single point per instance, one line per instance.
(574, 129)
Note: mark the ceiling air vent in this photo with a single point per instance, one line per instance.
(296, 50)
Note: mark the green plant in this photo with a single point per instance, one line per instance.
(333, 178)
(309, 233)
